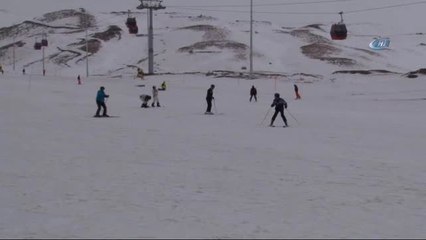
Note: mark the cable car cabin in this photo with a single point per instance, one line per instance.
(132, 25)
(131, 22)
(338, 31)
(133, 30)
(37, 45)
(44, 42)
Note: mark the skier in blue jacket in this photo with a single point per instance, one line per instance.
(279, 104)
(100, 102)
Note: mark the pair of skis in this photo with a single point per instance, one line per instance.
(282, 126)
(105, 116)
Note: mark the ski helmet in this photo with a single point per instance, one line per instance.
(277, 95)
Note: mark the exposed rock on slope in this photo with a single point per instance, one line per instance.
(214, 37)
(364, 72)
(415, 74)
(112, 32)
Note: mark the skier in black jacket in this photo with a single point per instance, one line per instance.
(253, 93)
(209, 99)
(279, 104)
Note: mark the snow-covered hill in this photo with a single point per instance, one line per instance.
(197, 39)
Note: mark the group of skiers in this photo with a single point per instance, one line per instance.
(2, 70)
(145, 98)
(101, 96)
(253, 93)
(155, 102)
(279, 103)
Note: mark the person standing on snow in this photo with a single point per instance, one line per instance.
(279, 104)
(296, 91)
(209, 99)
(100, 102)
(155, 97)
(253, 93)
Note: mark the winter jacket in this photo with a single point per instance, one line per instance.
(253, 91)
(210, 94)
(100, 97)
(145, 98)
(155, 93)
(279, 104)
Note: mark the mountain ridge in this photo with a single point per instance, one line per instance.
(210, 46)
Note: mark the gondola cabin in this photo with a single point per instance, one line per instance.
(44, 42)
(131, 22)
(338, 31)
(37, 45)
(132, 25)
(133, 30)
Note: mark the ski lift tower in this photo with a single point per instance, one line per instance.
(151, 5)
(86, 25)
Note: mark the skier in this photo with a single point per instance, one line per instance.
(145, 99)
(100, 102)
(23, 71)
(163, 86)
(155, 97)
(1, 69)
(279, 104)
(296, 91)
(253, 93)
(79, 80)
(209, 99)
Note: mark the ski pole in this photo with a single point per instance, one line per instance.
(293, 117)
(269, 109)
(214, 105)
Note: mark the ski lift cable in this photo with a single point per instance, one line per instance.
(257, 12)
(301, 13)
(385, 7)
(264, 5)
(202, 8)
